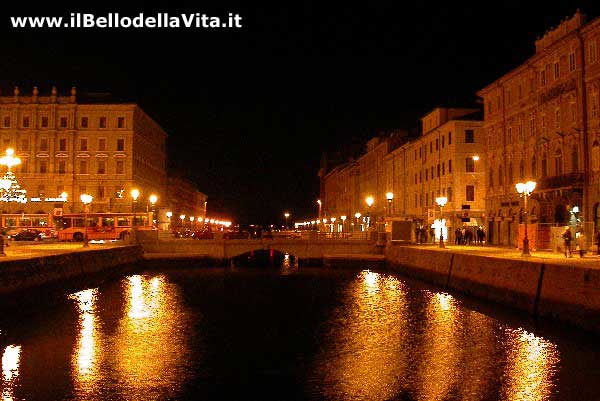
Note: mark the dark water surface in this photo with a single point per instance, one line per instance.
(290, 334)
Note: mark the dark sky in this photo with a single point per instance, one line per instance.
(249, 111)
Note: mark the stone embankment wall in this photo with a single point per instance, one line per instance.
(567, 293)
(24, 274)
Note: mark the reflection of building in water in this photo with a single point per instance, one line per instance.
(365, 359)
(531, 365)
(441, 349)
(87, 353)
(10, 371)
(151, 342)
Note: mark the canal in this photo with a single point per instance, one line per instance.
(286, 334)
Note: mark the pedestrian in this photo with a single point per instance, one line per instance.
(482, 236)
(581, 243)
(457, 237)
(567, 238)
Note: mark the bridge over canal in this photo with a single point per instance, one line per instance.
(228, 249)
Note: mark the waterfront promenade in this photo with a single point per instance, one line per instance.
(28, 250)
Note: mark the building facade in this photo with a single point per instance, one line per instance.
(73, 147)
(447, 159)
(185, 199)
(541, 123)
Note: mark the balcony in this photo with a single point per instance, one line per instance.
(562, 181)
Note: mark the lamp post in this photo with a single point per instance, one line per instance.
(169, 214)
(86, 199)
(525, 190)
(152, 198)
(390, 197)
(287, 217)
(182, 218)
(320, 204)
(333, 219)
(135, 193)
(441, 201)
(343, 218)
(357, 215)
(369, 200)
(5, 185)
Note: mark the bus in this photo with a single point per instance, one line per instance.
(12, 223)
(101, 226)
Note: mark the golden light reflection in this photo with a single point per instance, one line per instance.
(86, 371)
(151, 342)
(365, 359)
(531, 366)
(441, 349)
(10, 371)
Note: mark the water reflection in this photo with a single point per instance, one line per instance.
(86, 372)
(365, 359)
(10, 371)
(151, 344)
(440, 352)
(531, 366)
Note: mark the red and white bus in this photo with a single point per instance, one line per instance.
(100, 226)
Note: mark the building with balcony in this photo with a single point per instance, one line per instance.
(542, 122)
(81, 146)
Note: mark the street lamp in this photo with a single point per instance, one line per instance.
(369, 200)
(390, 197)
(441, 201)
(525, 190)
(182, 218)
(135, 193)
(287, 216)
(357, 215)
(86, 199)
(152, 198)
(320, 204)
(343, 218)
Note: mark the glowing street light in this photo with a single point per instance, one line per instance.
(287, 216)
(86, 199)
(369, 200)
(441, 202)
(525, 190)
(10, 160)
(390, 197)
(343, 218)
(476, 158)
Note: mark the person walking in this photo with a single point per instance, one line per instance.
(457, 236)
(581, 243)
(567, 236)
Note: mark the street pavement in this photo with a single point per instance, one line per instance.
(27, 250)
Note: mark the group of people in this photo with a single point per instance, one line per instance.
(579, 240)
(466, 236)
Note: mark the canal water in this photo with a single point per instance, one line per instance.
(286, 334)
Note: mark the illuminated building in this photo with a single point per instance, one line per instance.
(542, 122)
(89, 145)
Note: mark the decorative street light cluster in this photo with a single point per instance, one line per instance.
(525, 190)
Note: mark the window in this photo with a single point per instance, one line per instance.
(543, 77)
(491, 178)
(443, 168)
(120, 169)
(426, 174)
(26, 122)
(544, 167)
(449, 138)
(121, 122)
(469, 136)
(427, 198)
(470, 193)
(449, 192)
(62, 167)
(6, 122)
(62, 144)
(102, 144)
(83, 167)
(121, 145)
(593, 53)
(25, 166)
(84, 122)
(430, 147)
(572, 61)
(44, 122)
(43, 166)
(102, 122)
(63, 122)
(520, 91)
(24, 144)
(500, 176)
(100, 192)
(556, 70)
(83, 144)
(437, 144)
(449, 166)
(509, 135)
(101, 166)
(510, 174)
(438, 170)
(44, 144)
(532, 126)
(469, 165)
(443, 141)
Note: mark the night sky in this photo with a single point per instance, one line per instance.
(250, 111)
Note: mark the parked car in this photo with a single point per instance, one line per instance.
(204, 235)
(28, 235)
